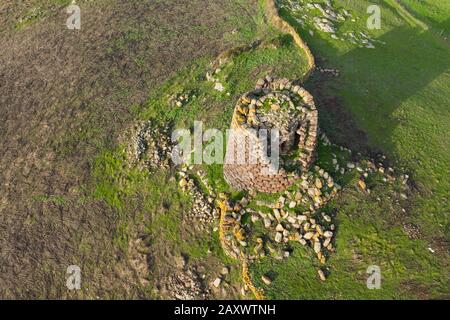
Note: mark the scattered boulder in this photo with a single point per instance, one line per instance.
(362, 184)
(266, 280)
(217, 282)
(321, 275)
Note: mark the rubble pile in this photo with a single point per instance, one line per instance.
(203, 207)
(232, 234)
(186, 285)
(151, 146)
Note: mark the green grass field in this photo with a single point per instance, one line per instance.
(397, 93)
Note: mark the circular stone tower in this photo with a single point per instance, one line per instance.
(274, 104)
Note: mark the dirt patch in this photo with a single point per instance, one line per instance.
(64, 95)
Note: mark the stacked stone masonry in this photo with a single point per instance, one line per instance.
(274, 104)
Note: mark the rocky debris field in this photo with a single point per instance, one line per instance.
(197, 186)
(328, 20)
(151, 149)
(256, 229)
(251, 227)
(150, 146)
(186, 284)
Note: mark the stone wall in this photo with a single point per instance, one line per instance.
(256, 175)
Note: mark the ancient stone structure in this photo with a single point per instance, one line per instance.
(274, 104)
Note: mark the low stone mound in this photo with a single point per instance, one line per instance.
(274, 104)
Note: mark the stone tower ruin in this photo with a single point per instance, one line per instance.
(274, 104)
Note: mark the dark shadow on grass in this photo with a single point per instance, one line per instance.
(387, 76)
